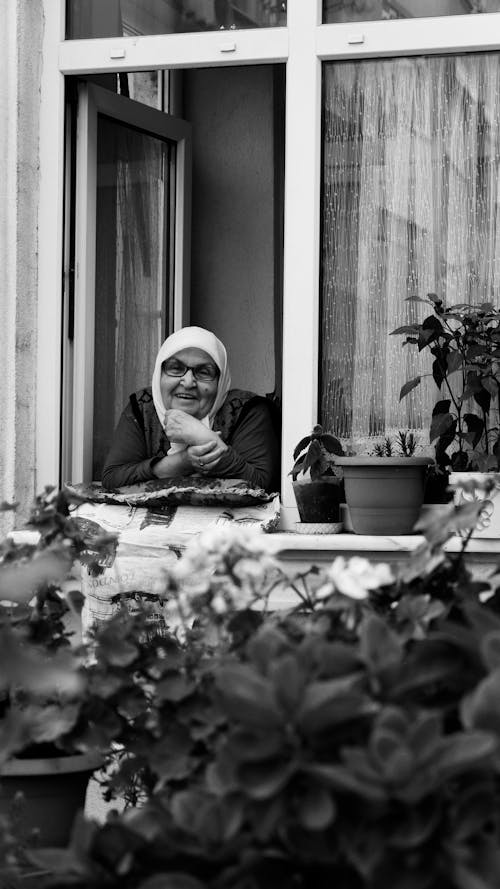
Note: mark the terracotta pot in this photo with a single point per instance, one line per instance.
(54, 790)
(384, 494)
(319, 501)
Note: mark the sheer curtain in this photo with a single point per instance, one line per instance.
(133, 278)
(410, 206)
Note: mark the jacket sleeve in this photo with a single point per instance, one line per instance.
(128, 461)
(253, 452)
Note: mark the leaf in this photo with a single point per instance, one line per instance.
(490, 650)
(316, 808)
(174, 687)
(289, 681)
(490, 385)
(172, 880)
(454, 361)
(383, 745)
(463, 751)
(481, 708)
(313, 456)
(332, 444)
(330, 702)
(425, 735)
(416, 299)
(438, 371)
(433, 324)
(441, 407)
(265, 779)
(246, 696)
(474, 351)
(250, 746)
(187, 807)
(475, 425)
(425, 338)
(407, 328)
(440, 425)
(483, 399)
(379, 647)
(408, 386)
(464, 878)
(301, 445)
(60, 861)
(343, 781)
(19, 582)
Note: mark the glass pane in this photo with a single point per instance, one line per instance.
(410, 205)
(116, 18)
(132, 275)
(374, 10)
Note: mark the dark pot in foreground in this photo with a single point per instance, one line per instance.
(53, 789)
(319, 500)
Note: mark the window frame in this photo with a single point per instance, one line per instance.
(94, 101)
(303, 45)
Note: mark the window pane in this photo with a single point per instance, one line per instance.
(374, 10)
(132, 274)
(411, 153)
(116, 18)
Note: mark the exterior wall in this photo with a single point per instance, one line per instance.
(20, 49)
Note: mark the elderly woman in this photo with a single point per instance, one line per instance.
(191, 422)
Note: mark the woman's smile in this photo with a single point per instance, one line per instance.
(186, 393)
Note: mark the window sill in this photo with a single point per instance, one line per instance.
(316, 548)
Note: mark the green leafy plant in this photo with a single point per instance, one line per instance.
(42, 677)
(350, 739)
(403, 446)
(464, 342)
(315, 453)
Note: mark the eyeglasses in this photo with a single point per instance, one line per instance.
(203, 373)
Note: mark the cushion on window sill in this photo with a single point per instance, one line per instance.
(180, 491)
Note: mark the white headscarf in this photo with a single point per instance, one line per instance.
(192, 338)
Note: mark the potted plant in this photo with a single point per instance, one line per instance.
(385, 490)
(464, 342)
(42, 678)
(351, 740)
(317, 482)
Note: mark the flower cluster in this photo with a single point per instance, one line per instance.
(224, 570)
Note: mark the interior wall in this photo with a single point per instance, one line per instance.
(232, 290)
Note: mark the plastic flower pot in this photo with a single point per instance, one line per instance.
(318, 501)
(384, 494)
(53, 790)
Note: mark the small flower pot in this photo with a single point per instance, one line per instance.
(318, 501)
(53, 790)
(384, 494)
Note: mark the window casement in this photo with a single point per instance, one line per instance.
(305, 44)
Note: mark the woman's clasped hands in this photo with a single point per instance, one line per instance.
(203, 446)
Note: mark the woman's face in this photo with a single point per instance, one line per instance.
(185, 393)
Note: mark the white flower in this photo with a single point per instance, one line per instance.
(355, 578)
(219, 604)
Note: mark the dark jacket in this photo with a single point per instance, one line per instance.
(248, 424)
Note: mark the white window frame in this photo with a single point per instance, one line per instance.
(302, 45)
(94, 100)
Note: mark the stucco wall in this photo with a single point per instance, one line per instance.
(20, 50)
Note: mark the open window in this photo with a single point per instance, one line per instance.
(131, 260)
